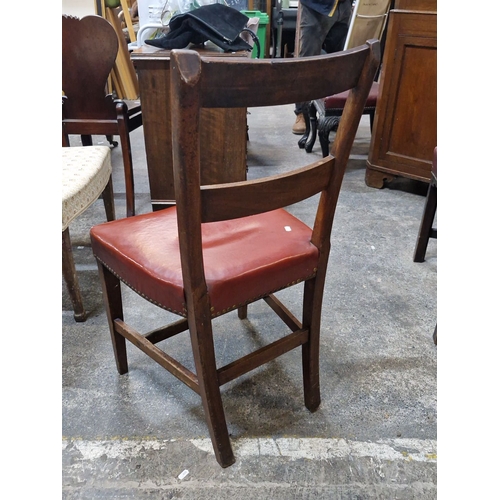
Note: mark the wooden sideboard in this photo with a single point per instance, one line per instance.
(405, 127)
(223, 131)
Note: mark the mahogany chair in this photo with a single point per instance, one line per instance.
(222, 247)
(322, 116)
(89, 50)
(86, 175)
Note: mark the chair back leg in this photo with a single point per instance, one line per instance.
(109, 204)
(86, 140)
(128, 168)
(65, 139)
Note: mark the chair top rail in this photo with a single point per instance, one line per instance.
(292, 80)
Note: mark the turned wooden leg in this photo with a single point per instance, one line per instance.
(303, 139)
(326, 124)
(69, 274)
(313, 123)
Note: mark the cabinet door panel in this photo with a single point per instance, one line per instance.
(405, 128)
(412, 136)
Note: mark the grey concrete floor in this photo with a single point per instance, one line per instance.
(143, 434)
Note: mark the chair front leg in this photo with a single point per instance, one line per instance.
(313, 295)
(326, 125)
(114, 310)
(303, 140)
(206, 370)
(69, 274)
(313, 124)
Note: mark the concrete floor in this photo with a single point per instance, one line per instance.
(143, 435)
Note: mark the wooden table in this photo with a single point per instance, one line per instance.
(223, 131)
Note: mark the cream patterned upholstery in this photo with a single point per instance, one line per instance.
(85, 172)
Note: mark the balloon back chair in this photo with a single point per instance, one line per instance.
(89, 50)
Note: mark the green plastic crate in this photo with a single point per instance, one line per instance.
(261, 30)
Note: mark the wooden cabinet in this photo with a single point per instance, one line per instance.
(405, 126)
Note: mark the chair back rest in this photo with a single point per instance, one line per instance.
(89, 50)
(198, 82)
(368, 20)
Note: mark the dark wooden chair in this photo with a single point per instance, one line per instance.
(89, 50)
(86, 175)
(426, 229)
(322, 116)
(222, 247)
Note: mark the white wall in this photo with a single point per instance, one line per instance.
(78, 8)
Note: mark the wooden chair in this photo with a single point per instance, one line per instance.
(89, 50)
(322, 116)
(222, 247)
(426, 229)
(86, 175)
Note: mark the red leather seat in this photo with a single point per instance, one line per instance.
(338, 101)
(243, 258)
